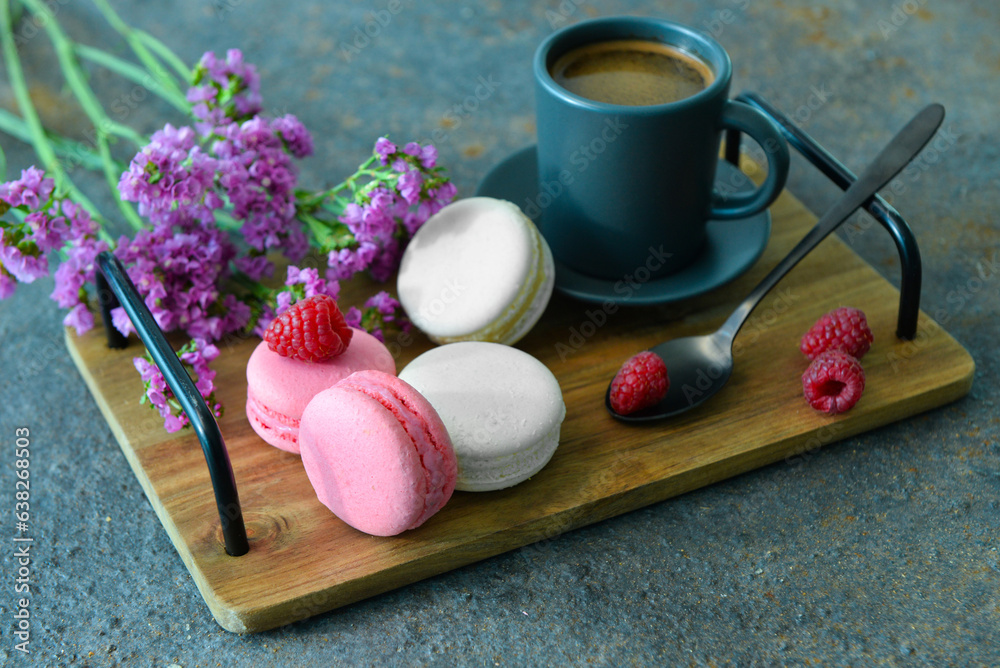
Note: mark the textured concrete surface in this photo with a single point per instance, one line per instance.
(879, 549)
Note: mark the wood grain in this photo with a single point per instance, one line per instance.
(303, 561)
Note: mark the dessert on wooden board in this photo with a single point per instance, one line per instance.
(502, 407)
(377, 453)
(477, 270)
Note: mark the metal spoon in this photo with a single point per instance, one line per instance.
(698, 366)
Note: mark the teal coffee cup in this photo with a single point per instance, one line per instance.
(630, 113)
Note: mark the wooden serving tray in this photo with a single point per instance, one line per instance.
(304, 561)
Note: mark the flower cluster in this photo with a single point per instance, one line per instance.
(48, 223)
(221, 199)
(380, 314)
(195, 355)
(387, 211)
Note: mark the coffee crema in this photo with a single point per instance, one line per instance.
(633, 72)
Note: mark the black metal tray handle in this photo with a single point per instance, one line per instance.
(883, 212)
(112, 275)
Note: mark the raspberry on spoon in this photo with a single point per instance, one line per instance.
(641, 382)
(312, 330)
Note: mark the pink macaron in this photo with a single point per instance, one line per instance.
(377, 453)
(279, 388)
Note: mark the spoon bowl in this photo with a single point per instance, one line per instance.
(699, 366)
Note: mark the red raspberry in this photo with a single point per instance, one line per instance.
(841, 329)
(641, 382)
(312, 330)
(834, 381)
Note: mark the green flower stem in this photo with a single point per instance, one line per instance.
(71, 150)
(3, 165)
(320, 230)
(77, 80)
(255, 288)
(224, 221)
(142, 44)
(165, 88)
(349, 182)
(17, 82)
(112, 172)
(39, 140)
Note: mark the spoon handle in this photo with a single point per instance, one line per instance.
(893, 158)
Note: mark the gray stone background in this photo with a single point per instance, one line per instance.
(880, 549)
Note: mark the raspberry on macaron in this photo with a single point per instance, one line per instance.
(312, 330)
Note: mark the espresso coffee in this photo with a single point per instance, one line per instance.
(632, 72)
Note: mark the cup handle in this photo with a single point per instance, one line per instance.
(746, 119)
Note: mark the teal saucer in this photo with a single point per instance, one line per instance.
(732, 247)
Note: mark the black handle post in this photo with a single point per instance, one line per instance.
(202, 420)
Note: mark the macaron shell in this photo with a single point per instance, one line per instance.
(377, 454)
(361, 463)
(502, 407)
(476, 270)
(279, 388)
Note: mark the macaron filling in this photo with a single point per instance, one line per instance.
(280, 425)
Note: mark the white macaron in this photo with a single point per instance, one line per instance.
(477, 270)
(503, 410)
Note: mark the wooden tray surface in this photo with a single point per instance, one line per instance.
(304, 561)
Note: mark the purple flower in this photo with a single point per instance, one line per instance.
(25, 267)
(302, 283)
(196, 355)
(172, 179)
(428, 156)
(79, 318)
(224, 89)
(178, 272)
(353, 317)
(255, 266)
(258, 177)
(77, 270)
(294, 134)
(425, 155)
(48, 233)
(410, 184)
(7, 284)
(80, 222)
(384, 149)
(121, 321)
(31, 190)
(378, 313)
